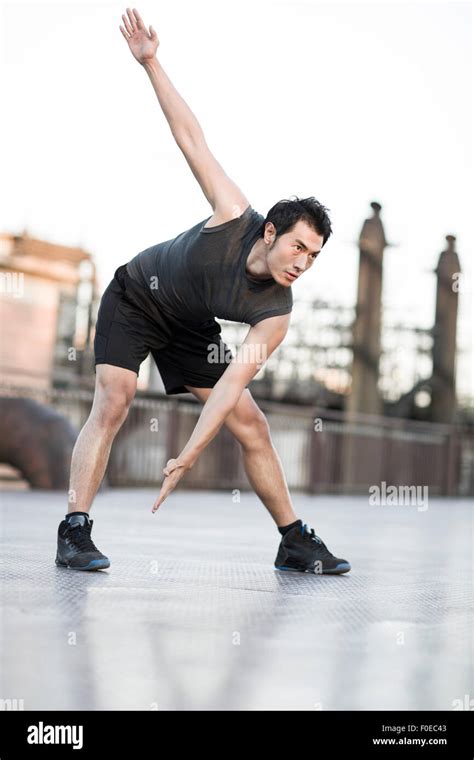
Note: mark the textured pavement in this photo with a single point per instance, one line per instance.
(192, 615)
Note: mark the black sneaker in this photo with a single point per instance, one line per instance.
(76, 549)
(302, 550)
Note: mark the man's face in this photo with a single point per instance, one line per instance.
(292, 253)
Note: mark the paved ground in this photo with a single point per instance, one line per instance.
(192, 615)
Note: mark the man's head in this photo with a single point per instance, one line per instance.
(294, 233)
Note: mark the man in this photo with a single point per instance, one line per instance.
(233, 265)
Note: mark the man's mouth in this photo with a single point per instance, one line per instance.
(291, 276)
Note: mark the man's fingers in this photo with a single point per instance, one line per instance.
(163, 495)
(171, 468)
(169, 484)
(127, 24)
(131, 17)
(159, 501)
(138, 19)
(124, 33)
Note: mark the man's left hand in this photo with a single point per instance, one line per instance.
(174, 471)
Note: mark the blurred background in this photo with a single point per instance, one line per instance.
(366, 106)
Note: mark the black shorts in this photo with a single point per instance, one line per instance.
(130, 324)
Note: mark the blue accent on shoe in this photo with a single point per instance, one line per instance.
(341, 567)
(97, 563)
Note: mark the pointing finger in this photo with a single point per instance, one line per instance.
(160, 499)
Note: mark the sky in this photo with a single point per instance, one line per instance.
(350, 102)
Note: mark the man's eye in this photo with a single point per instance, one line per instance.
(298, 246)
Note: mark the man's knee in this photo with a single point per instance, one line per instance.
(113, 397)
(111, 407)
(252, 429)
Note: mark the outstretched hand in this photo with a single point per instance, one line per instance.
(174, 471)
(142, 43)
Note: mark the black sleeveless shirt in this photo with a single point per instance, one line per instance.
(200, 274)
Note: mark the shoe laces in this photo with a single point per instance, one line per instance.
(311, 536)
(80, 536)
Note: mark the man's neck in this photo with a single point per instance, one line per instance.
(257, 266)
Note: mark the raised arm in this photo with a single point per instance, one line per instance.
(259, 344)
(225, 197)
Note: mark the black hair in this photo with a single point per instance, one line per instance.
(288, 212)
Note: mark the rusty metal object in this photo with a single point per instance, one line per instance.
(37, 440)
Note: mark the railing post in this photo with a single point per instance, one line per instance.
(452, 461)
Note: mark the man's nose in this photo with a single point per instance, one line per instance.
(300, 263)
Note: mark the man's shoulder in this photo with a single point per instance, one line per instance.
(238, 218)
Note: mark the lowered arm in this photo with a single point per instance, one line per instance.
(259, 344)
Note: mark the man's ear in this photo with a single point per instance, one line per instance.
(269, 234)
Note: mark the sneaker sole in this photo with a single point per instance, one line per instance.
(343, 567)
(96, 564)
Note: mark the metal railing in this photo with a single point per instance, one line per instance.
(322, 451)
